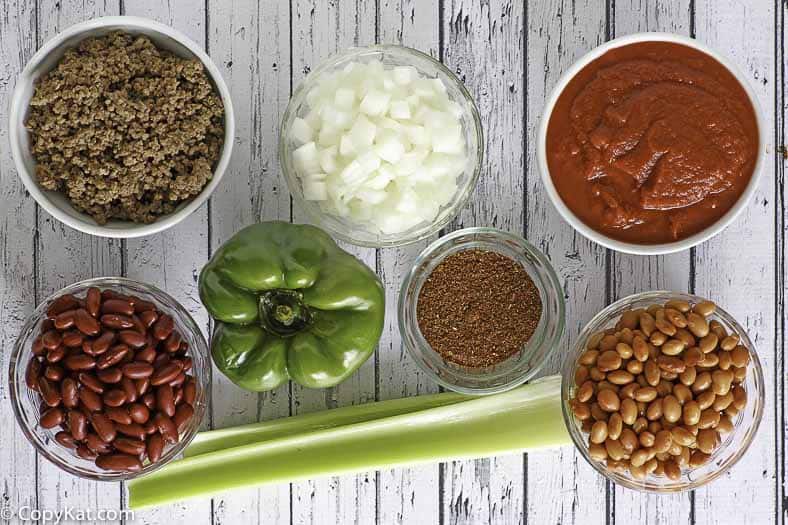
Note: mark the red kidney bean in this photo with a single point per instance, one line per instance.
(173, 342)
(165, 400)
(90, 399)
(150, 428)
(142, 306)
(112, 357)
(147, 354)
(137, 370)
(110, 375)
(89, 381)
(56, 355)
(103, 342)
(97, 445)
(64, 320)
(161, 360)
(135, 447)
(120, 462)
(149, 400)
(114, 398)
(166, 373)
(139, 327)
(86, 323)
(65, 439)
(119, 415)
(77, 424)
(134, 430)
(104, 427)
(72, 339)
(178, 395)
(139, 413)
(38, 347)
(187, 364)
(93, 301)
(155, 447)
(148, 318)
(32, 373)
(130, 389)
(51, 340)
(142, 386)
(178, 381)
(166, 427)
(87, 348)
(182, 416)
(110, 294)
(61, 304)
(69, 393)
(163, 327)
(80, 362)
(52, 417)
(49, 393)
(190, 392)
(133, 339)
(117, 306)
(117, 322)
(85, 453)
(54, 373)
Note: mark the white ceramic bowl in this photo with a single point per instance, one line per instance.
(648, 249)
(45, 59)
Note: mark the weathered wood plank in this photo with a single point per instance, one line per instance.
(250, 43)
(737, 268)
(172, 260)
(17, 267)
(404, 495)
(484, 45)
(562, 487)
(319, 30)
(65, 256)
(631, 273)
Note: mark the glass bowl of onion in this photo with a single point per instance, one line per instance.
(381, 146)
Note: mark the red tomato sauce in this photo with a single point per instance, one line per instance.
(652, 142)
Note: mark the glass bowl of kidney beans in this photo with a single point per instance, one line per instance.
(109, 378)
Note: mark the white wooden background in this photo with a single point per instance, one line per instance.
(509, 53)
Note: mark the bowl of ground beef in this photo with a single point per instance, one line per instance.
(121, 127)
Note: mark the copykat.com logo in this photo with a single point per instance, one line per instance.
(27, 514)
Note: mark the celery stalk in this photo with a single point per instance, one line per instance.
(526, 418)
(214, 440)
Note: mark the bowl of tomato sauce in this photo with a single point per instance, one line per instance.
(651, 144)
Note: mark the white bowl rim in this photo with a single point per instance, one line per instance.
(134, 230)
(649, 249)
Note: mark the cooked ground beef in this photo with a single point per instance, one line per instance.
(125, 130)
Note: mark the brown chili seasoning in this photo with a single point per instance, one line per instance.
(477, 308)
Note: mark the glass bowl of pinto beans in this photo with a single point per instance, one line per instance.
(109, 379)
(663, 392)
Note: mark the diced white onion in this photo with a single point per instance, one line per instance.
(381, 146)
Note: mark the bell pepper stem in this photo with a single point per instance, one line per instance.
(283, 312)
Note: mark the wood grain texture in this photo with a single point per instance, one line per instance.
(250, 43)
(510, 53)
(159, 259)
(737, 268)
(18, 474)
(65, 256)
(484, 45)
(562, 487)
(404, 495)
(320, 29)
(633, 273)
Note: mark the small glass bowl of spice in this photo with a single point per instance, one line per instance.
(481, 310)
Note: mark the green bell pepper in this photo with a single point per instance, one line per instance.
(290, 304)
